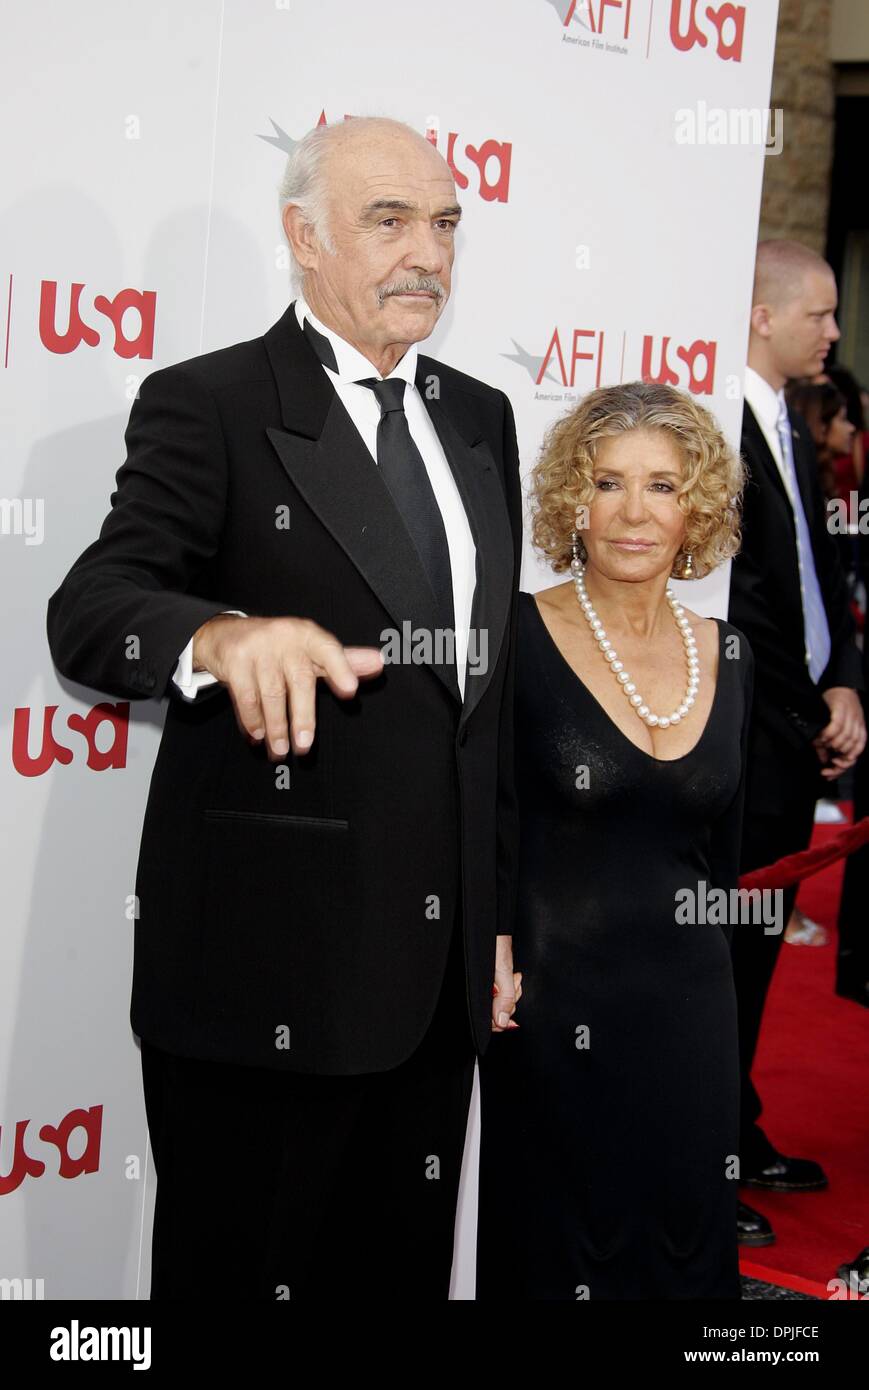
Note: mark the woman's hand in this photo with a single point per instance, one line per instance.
(507, 988)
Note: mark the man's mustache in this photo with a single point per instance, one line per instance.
(424, 285)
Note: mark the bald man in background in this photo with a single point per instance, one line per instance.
(788, 595)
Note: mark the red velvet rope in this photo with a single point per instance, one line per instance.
(795, 867)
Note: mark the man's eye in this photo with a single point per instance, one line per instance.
(446, 222)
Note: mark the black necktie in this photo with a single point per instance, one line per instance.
(404, 472)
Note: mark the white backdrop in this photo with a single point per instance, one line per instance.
(145, 145)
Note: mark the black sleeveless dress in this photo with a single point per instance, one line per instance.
(610, 1117)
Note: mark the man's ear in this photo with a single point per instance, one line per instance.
(301, 236)
(760, 320)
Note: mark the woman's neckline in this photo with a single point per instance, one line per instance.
(567, 666)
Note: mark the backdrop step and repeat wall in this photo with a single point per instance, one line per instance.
(608, 161)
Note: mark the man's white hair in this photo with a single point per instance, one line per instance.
(305, 182)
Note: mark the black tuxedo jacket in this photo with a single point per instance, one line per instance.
(765, 602)
(319, 913)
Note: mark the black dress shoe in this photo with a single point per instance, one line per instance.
(784, 1174)
(856, 1274)
(751, 1227)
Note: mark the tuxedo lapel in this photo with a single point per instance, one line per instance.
(759, 455)
(324, 456)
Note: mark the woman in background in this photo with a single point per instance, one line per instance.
(825, 411)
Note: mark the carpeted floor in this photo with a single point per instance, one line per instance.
(811, 1072)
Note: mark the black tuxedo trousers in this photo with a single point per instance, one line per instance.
(277, 1185)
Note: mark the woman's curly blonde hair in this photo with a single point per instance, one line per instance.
(713, 474)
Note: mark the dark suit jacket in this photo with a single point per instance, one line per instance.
(765, 602)
(308, 909)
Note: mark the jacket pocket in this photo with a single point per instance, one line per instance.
(268, 818)
(279, 923)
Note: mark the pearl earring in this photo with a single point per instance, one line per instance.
(578, 557)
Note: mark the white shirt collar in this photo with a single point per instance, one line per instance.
(764, 400)
(352, 365)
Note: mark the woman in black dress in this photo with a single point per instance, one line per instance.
(610, 1114)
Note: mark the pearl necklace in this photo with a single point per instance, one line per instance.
(617, 667)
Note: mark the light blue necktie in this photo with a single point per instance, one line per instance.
(816, 627)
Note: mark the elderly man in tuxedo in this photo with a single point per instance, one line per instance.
(788, 595)
(313, 548)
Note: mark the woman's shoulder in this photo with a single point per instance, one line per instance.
(531, 619)
(528, 614)
(530, 601)
(736, 641)
(525, 601)
(551, 594)
(726, 628)
(736, 647)
(734, 644)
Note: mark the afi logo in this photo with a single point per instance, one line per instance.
(558, 363)
(699, 383)
(23, 1166)
(690, 366)
(140, 303)
(578, 11)
(726, 20)
(116, 717)
(586, 345)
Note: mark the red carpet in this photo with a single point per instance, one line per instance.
(811, 1070)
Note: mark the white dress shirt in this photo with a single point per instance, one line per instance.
(362, 407)
(766, 404)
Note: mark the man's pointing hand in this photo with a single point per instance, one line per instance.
(271, 667)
